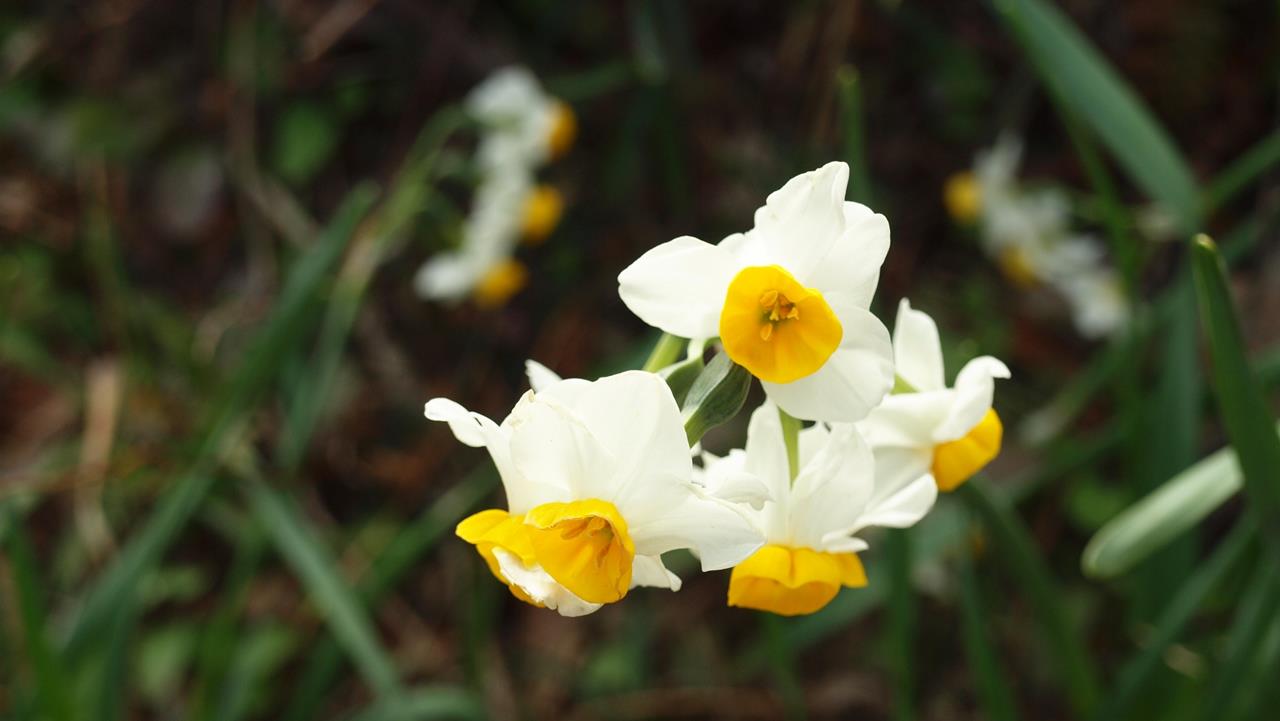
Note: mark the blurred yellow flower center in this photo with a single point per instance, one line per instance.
(793, 581)
(494, 528)
(584, 546)
(564, 128)
(963, 197)
(501, 282)
(776, 328)
(542, 210)
(956, 462)
(1016, 265)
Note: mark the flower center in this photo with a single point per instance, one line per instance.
(584, 546)
(775, 327)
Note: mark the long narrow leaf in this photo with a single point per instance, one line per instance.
(52, 688)
(1243, 406)
(1018, 550)
(305, 553)
(1178, 505)
(1078, 74)
(990, 677)
(1133, 677)
(425, 704)
(287, 323)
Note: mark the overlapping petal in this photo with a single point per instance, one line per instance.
(679, 286)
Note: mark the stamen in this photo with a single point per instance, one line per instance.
(768, 298)
(766, 331)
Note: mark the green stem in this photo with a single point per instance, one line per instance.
(665, 352)
(791, 438)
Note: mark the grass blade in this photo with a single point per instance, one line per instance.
(902, 621)
(1254, 162)
(854, 147)
(299, 545)
(52, 687)
(1255, 612)
(1240, 399)
(425, 704)
(388, 567)
(1133, 677)
(994, 696)
(1082, 79)
(1018, 549)
(1168, 512)
(175, 508)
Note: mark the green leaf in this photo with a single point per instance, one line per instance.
(305, 553)
(991, 679)
(388, 567)
(1135, 673)
(1244, 409)
(1018, 550)
(1163, 515)
(425, 704)
(288, 321)
(1254, 613)
(306, 135)
(854, 145)
(715, 397)
(1244, 170)
(1082, 79)
(52, 688)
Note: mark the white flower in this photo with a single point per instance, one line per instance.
(810, 525)
(789, 298)
(597, 476)
(526, 127)
(521, 129)
(946, 434)
(1098, 303)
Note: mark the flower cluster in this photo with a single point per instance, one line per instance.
(600, 477)
(1027, 231)
(522, 129)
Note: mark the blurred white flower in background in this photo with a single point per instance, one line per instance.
(522, 129)
(1027, 232)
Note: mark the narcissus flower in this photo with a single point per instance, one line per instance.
(789, 299)
(598, 483)
(1027, 232)
(947, 434)
(810, 525)
(522, 128)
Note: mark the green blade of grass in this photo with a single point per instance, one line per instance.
(404, 199)
(1177, 614)
(287, 323)
(1164, 514)
(218, 639)
(52, 681)
(1078, 74)
(388, 567)
(994, 696)
(1254, 613)
(1243, 406)
(1017, 548)
(425, 704)
(854, 144)
(1244, 170)
(902, 622)
(302, 549)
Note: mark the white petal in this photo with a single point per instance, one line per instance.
(902, 508)
(766, 453)
(728, 480)
(650, 571)
(854, 379)
(800, 221)
(852, 265)
(541, 587)
(975, 386)
(679, 287)
(637, 422)
(551, 447)
(540, 376)
(917, 350)
(831, 491)
(448, 276)
(472, 429)
(720, 534)
(908, 419)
